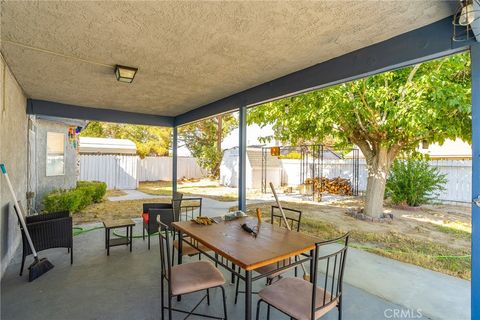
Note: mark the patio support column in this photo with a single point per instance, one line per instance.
(475, 284)
(174, 159)
(242, 156)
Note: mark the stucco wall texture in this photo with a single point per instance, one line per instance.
(46, 183)
(13, 152)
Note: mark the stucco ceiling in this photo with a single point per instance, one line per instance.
(188, 53)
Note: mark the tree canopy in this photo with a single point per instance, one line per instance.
(383, 115)
(150, 141)
(204, 140)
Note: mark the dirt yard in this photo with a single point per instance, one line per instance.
(437, 237)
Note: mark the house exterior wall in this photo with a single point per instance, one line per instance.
(44, 183)
(13, 152)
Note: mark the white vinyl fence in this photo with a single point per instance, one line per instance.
(458, 172)
(160, 168)
(125, 172)
(117, 171)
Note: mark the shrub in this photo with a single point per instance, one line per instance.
(62, 200)
(414, 182)
(74, 200)
(97, 189)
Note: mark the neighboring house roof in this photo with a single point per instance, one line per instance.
(450, 149)
(107, 146)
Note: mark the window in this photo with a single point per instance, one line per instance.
(55, 154)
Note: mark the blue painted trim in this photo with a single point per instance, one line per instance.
(174, 159)
(242, 156)
(55, 109)
(426, 43)
(475, 284)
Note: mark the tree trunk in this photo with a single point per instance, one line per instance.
(219, 134)
(378, 166)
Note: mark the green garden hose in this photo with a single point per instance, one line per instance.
(79, 230)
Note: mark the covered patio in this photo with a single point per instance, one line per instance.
(194, 60)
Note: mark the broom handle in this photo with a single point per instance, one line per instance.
(284, 218)
(20, 213)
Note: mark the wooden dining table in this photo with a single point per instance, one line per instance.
(227, 239)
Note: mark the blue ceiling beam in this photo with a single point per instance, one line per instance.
(55, 109)
(422, 44)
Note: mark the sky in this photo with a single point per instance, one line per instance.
(254, 132)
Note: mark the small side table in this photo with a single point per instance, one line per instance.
(116, 224)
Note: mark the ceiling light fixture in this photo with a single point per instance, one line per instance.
(467, 15)
(466, 21)
(125, 74)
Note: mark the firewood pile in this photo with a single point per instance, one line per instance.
(336, 185)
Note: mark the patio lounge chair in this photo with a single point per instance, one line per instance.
(150, 225)
(186, 278)
(49, 230)
(305, 300)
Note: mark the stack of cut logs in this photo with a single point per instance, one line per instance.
(336, 185)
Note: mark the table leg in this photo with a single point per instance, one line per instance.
(131, 237)
(127, 236)
(311, 266)
(248, 294)
(108, 242)
(180, 254)
(232, 280)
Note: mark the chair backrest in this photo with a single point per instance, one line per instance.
(164, 232)
(148, 206)
(332, 266)
(186, 211)
(166, 215)
(294, 217)
(177, 202)
(148, 209)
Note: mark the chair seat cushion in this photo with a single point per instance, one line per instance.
(271, 267)
(195, 276)
(293, 296)
(188, 250)
(145, 217)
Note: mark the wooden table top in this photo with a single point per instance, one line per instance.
(228, 239)
(118, 223)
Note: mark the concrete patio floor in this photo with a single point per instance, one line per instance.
(126, 285)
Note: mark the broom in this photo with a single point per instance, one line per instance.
(306, 276)
(39, 266)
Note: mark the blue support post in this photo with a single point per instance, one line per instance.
(242, 156)
(475, 284)
(174, 159)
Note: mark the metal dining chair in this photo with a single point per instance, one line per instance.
(186, 211)
(186, 278)
(305, 300)
(167, 216)
(294, 218)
